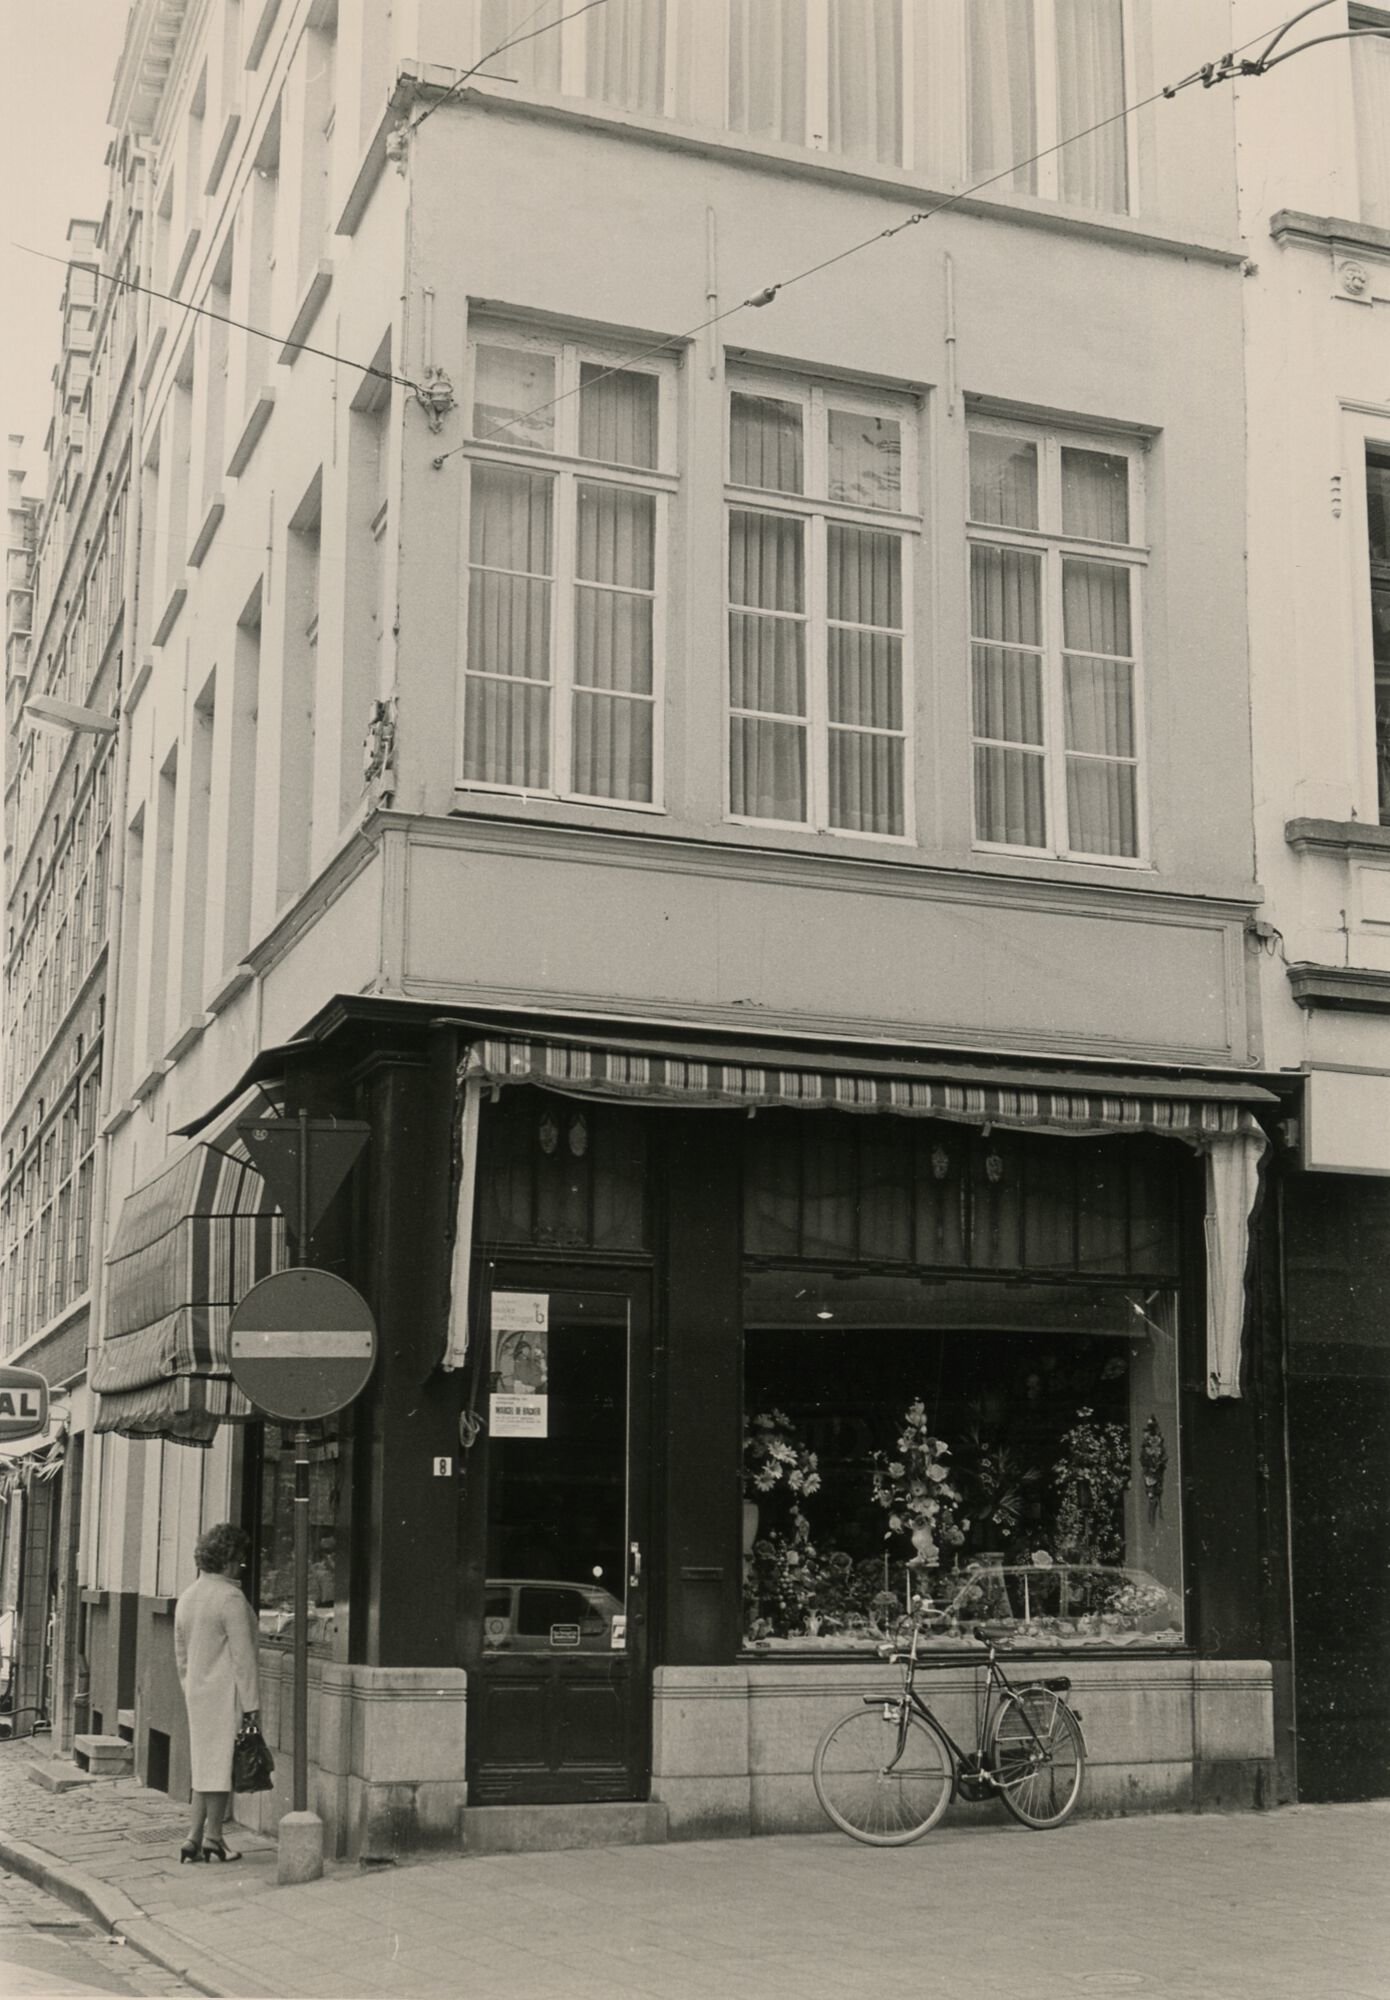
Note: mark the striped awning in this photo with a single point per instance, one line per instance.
(1069, 1104)
(189, 1245)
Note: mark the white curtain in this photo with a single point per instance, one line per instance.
(626, 55)
(765, 443)
(767, 69)
(1095, 495)
(1371, 87)
(456, 1351)
(535, 63)
(612, 717)
(767, 665)
(1233, 1171)
(1006, 665)
(1102, 811)
(1003, 480)
(865, 673)
(1002, 108)
(1092, 171)
(865, 80)
(507, 685)
(617, 415)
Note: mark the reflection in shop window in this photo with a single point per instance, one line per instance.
(276, 1596)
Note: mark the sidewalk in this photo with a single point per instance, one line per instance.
(1278, 1906)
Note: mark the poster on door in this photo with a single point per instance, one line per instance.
(518, 1401)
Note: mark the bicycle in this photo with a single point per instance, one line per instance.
(886, 1772)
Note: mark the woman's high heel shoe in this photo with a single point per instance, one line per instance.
(216, 1850)
(190, 1851)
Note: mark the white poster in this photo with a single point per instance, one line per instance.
(518, 1402)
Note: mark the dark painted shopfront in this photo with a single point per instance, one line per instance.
(743, 1336)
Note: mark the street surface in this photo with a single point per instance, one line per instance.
(46, 1948)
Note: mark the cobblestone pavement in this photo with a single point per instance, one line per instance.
(46, 1949)
(1290, 1905)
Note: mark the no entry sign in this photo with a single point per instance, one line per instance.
(302, 1344)
(23, 1403)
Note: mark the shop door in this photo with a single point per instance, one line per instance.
(557, 1638)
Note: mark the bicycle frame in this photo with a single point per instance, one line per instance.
(968, 1764)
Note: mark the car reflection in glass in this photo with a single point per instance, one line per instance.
(541, 1615)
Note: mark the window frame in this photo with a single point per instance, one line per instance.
(572, 31)
(568, 469)
(1365, 433)
(1364, 16)
(1054, 547)
(816, 394)
(816, 107)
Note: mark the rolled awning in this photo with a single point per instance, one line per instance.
(1217, 1117)
(189, 1245)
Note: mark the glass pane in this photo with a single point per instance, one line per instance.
(612, 641)
(1378, 524)
(865, 673)
(1003, 480)
(1095, 607)
(865, 459)
(276, 1578)
(616, 536)
(1006, 595)
(865, 65)
(767, 663)
(1102, 810)
(612, 748)
(1095, 495)
(513, 391)
(766, 561)
(617, 415)
(864, 576)
(626, 50)
(767, 69)
(506, 733)
(1009, 805)
(765, 443)
(509, 626)
(767, 769)
(557, 1477)
(1092, 170)
(1002, 114)
(866, 782)
(509, 523)
(534, 62)
(1007, 695)
(1100, 706)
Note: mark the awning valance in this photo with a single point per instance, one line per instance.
(1070, 1103)
(1217, 1117)
(189, 1245)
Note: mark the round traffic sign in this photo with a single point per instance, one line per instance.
(302, 1344)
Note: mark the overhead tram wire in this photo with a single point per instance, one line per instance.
(206, 312)
(513, 42)
(1209, 73)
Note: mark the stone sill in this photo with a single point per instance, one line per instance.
(310, 306)
(1348, 988)
(1291, 224)
(1337, 836)
(255, 424)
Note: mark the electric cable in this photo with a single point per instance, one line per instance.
(513, 42)
(259, 333)
(768, 293)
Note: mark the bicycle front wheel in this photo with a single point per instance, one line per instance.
(884, 1775)
(1037, 1757)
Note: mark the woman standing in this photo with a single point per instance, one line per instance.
(215, 1647)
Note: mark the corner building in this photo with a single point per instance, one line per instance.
(787, 935)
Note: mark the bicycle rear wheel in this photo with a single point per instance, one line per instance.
(882, 1776)
(1038, 1758)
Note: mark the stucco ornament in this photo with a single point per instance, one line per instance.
(1355, 279)
(435, 395)
(379, 752)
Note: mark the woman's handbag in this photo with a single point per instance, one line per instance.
(252, 1763)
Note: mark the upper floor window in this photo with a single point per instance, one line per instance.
(1055, 560)
(570, 479)
(618, 53)
(822, 491)
(1039, 71)
(1370, 57)
(1378, 536)
(827, 74)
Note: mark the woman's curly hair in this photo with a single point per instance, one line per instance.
(221, 1548)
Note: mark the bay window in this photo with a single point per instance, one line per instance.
(820, 538)
(566, 548)
(1054, 638)
(1039, 71)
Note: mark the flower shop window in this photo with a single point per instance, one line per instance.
(1007, 1453)
(275, 1593)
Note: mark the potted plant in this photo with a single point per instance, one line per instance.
(915, 1487)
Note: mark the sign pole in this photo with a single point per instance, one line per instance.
(301, 1619)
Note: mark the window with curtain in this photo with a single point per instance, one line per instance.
(1039, 71)
(821, 536)
(1054, 624)
(827, 74)
(1378, 535)
(1370, 74)
(567, 492)
(617, 53)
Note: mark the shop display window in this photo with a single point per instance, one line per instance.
(275, 1601)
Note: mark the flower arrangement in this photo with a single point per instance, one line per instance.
(914, 1486)
(1092, 1477)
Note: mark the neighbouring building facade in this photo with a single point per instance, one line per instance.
(70, 557)
(1317, 218)
(743, 783)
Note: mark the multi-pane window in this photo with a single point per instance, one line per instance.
(1378, 537)
(1370, 58)
(1039, 71)
(569, 486)
(827, 74)
(619, 53)
(1054, 634)
(820, 534)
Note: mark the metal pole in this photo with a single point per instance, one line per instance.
(301, 1619)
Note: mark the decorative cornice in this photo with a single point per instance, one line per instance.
(1346, 988)
(1291, 225)
(1337, 836)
